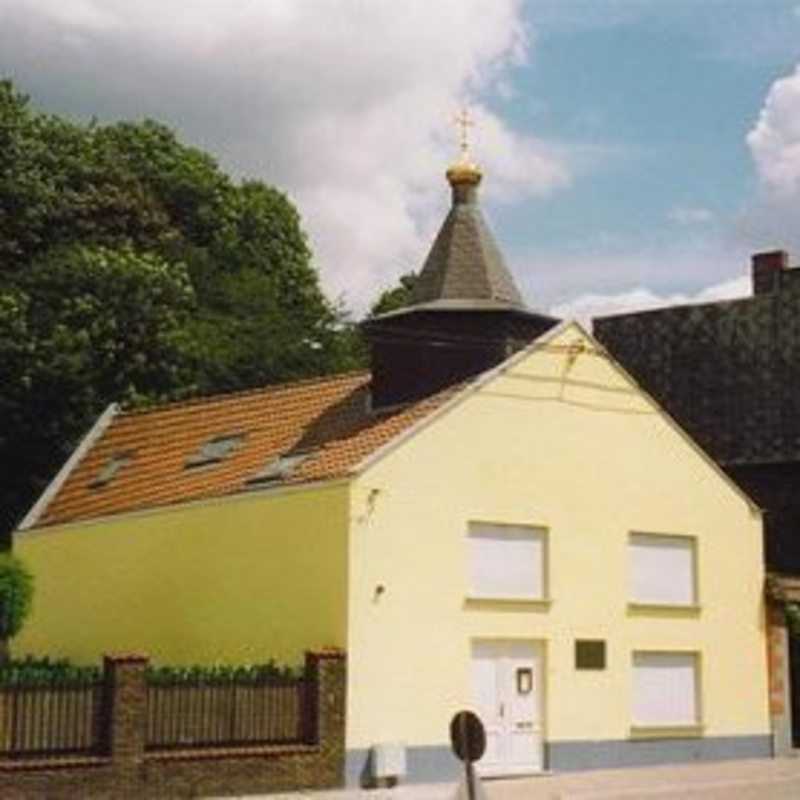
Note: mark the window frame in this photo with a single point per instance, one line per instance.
(111, 468)
(205, 455)
(693, 605)
(279, 468)
(538, 532)
(669, 729)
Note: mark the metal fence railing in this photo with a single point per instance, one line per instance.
(61, 718)
(220, 714)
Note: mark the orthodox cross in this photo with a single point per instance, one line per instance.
(464, 121)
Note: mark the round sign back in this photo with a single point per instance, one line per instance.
(467, 736)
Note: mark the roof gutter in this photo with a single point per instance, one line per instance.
(95, 432)
(182, 505)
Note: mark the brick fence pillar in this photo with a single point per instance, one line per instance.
(126, 699)
(779, 678)
(327, 668)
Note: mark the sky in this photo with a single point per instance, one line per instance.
(635, 152)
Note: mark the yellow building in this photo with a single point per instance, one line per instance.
(496, 518)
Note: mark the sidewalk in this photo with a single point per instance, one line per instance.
(761, 779)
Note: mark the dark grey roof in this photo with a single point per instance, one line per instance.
(465, 262)
(729, 372)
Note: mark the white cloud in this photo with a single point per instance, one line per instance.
(775, 140)
(770, 221)
(670, 267)
(602, 275)
(690, 216)
(587, 306)
(345, 105)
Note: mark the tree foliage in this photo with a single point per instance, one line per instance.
(397, 297)
(16, 595)
(81, 327)
(133, 269)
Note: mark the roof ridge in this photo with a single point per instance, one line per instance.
(725, 301)
(220, 396)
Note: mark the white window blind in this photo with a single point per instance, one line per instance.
(662, 569)
(665, 687)
(506, 561)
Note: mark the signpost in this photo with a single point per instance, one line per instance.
(468, 738)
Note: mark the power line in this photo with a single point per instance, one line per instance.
(433, 338)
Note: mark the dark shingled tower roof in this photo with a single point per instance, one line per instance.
(465, 266)
(466, 314)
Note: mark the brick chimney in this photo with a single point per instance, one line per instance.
(768, 269)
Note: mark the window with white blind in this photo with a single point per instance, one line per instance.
(665, 690)
(506, 561)
(663, 569)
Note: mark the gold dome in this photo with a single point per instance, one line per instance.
(464, 171)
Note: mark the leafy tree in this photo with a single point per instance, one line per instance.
(396, 297)
(133, 269)
(262, 314)
(83, 327)
(261, 344)
(62, 183)
(16, 595)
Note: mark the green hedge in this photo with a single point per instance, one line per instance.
(32, 671)
(221, 674)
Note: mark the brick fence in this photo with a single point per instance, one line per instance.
(126, 770)
(780, 589)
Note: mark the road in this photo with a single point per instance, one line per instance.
(757, 779)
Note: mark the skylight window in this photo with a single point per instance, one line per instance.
(215, 450)
(110, 469)
(280, 468)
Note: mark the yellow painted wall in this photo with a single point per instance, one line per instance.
(584, 454)
(235, 580)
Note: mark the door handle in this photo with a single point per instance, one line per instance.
(502, 709)
(524, 726)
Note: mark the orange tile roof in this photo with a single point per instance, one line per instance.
(326, 415)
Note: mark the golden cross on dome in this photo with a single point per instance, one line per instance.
(464, 121)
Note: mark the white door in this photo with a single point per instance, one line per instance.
(507, 690)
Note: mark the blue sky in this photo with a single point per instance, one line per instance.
(636, 152)
(667, 92)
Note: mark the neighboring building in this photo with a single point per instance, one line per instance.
(729, 372)
(496, 518)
